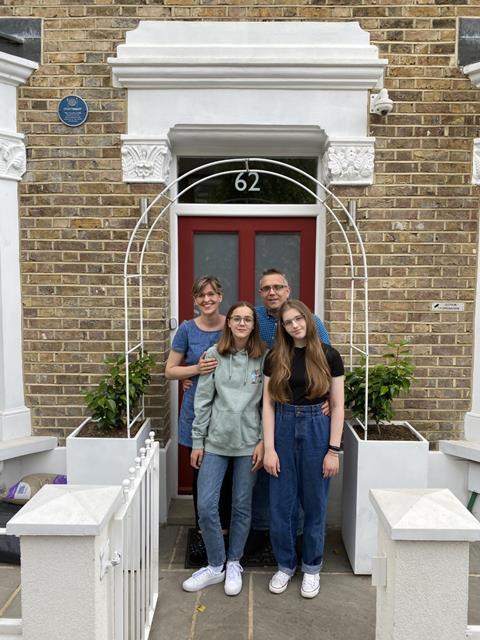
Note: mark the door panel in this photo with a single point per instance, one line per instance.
(237, 250)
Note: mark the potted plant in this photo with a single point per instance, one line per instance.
(388, 454)
(101, 450)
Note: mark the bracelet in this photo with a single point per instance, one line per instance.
(333, 453)
(333, 447)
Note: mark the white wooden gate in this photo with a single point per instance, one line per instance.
(135, 535)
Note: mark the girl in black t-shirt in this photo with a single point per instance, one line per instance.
(301, 444)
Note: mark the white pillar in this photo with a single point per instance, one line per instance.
(14, 415)
(421, 571)
(472, 418)
(64, 539)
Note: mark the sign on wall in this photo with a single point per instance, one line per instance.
(72, 111)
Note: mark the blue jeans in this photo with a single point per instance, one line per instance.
(210, 478)
(261, 504)
(302, 434)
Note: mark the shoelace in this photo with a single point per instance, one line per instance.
(201, 572)
(310, 580)
(234, 571)
(280, 578)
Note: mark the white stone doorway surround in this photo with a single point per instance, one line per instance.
(258, 89)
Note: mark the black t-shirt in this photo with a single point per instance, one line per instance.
(297, 381)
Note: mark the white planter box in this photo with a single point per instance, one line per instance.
(102, 460)
(375, 464)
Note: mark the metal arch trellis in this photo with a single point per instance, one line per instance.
(128, 277)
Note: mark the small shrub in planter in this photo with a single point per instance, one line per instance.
(386, 381)
(108, 401)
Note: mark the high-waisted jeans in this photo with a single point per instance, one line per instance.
(302, 435)
(210, 479)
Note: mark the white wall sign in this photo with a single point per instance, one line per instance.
(448, 306)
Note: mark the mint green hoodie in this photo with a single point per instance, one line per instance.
(227, 405)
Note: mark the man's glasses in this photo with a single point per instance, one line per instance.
(296, 320)
(239, 319)
(275, 287)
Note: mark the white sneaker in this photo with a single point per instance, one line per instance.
(310, 585)
(279, 582)
(233, 578)
(203, 578)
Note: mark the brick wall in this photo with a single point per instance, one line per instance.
(419, 220)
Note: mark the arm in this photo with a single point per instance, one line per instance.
(203, 402)
(174, 370)
(271, 462)
(322, 331)
(337, 405)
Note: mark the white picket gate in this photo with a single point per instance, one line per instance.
(135, 543)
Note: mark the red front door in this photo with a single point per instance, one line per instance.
(237, 250)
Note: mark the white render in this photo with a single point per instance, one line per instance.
(423, 544)
(102, 460)
(247, 74)
(374, 465)
(472, 417)
(15, 419)
(63, 532)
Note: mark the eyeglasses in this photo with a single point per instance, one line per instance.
(239, 319)
(275, 287)
(208, 294)
(297, 320)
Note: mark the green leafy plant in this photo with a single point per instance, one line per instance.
(386, 381)
(108, 401)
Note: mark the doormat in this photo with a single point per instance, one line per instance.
(258, 551)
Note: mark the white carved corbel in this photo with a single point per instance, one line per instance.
(349, 162)
(476, 161)
(146, 160)
(13, 162)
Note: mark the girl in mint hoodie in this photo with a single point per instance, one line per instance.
(227, 426)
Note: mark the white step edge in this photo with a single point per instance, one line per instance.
(26, 446)
(11, 628)
(466, 449)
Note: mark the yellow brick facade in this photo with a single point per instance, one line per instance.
(419, 220)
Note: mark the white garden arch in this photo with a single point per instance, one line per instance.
(130, 276)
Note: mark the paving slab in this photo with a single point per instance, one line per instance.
(475, 557)
(9, 583)
(345, 608)
(474, 600)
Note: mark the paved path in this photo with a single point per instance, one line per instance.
(344, 609)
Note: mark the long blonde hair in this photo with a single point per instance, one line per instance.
(318, 376)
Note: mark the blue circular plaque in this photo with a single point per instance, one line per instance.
(72, 111)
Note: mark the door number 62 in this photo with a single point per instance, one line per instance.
(241, 183)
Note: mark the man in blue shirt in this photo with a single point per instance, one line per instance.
(274, 291)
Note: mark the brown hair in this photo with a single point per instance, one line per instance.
(201, 282)
(254, 347)
(318, 376)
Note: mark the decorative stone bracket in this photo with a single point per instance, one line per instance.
(349, 161)
(13, 162)
(146, 159)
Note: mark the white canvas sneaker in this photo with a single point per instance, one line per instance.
(203, 578)
(279, 582)
(310, 585)
(233, 578)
